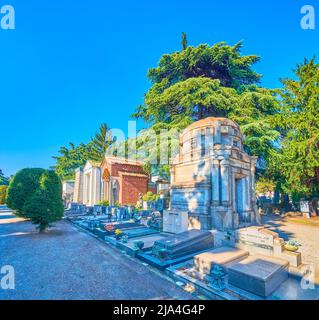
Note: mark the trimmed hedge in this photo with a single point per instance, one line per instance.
(21, 188)
(36, 194)
(45, 205)
(3, 193)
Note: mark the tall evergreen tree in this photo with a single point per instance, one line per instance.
(298, 161)
(184, 41)
(100, 143)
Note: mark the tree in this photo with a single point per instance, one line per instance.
(100, 143)
(204, 81)
(3, 193)
(45, 205)
(71, 158)
(220, 61)
(3, 179)
(298, 160)
(264, 185)
(184, 41)
(22, 187)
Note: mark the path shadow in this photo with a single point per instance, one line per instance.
(274, 223)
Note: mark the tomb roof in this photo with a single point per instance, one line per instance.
(211, 122)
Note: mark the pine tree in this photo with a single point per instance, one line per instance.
(100, 143)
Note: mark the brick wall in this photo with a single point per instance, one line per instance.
(130, 168)
(131, 187)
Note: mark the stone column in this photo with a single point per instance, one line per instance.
(233, 191)
(85, 191)
(256, 216)
(225, 171)
(215, 182)
(91, 188)
(110, 191)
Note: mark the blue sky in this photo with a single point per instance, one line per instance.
(71, 65)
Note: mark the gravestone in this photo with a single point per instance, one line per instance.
(260, 240)
(258, 274)
(181, 244)
(175, 221)
(307, 209)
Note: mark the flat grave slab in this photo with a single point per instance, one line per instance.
(185, 243)
(223, 257)
(129, 246)
(177, 248)
(258, 274)
(139, 232)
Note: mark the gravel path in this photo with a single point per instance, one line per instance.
(66, 263)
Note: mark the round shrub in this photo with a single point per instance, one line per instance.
(22, 187)
(3, 193)
(45, 205)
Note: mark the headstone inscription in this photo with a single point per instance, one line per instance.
(263, 241)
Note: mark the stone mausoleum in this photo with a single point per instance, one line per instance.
(212, 179)
(115, 180)
(122, 180)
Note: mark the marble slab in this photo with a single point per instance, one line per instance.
(258, 274)
(223, 257)
(185, 243)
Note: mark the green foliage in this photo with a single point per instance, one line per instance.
(3, 180)
(298, 161)
(184, 41)
(70, 159)
(73, 157)
(3, 193)
(264, 185)
(45, 205)
(149, 196)
(22, 187)
(219, 61)
(104, 203)
(204, 81)
(100, 143)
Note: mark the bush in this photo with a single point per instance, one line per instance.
(21, 188)
(3, 193)
(149, 196)
(104, 203)
(45, 205)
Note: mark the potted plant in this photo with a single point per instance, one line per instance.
(292, 245)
